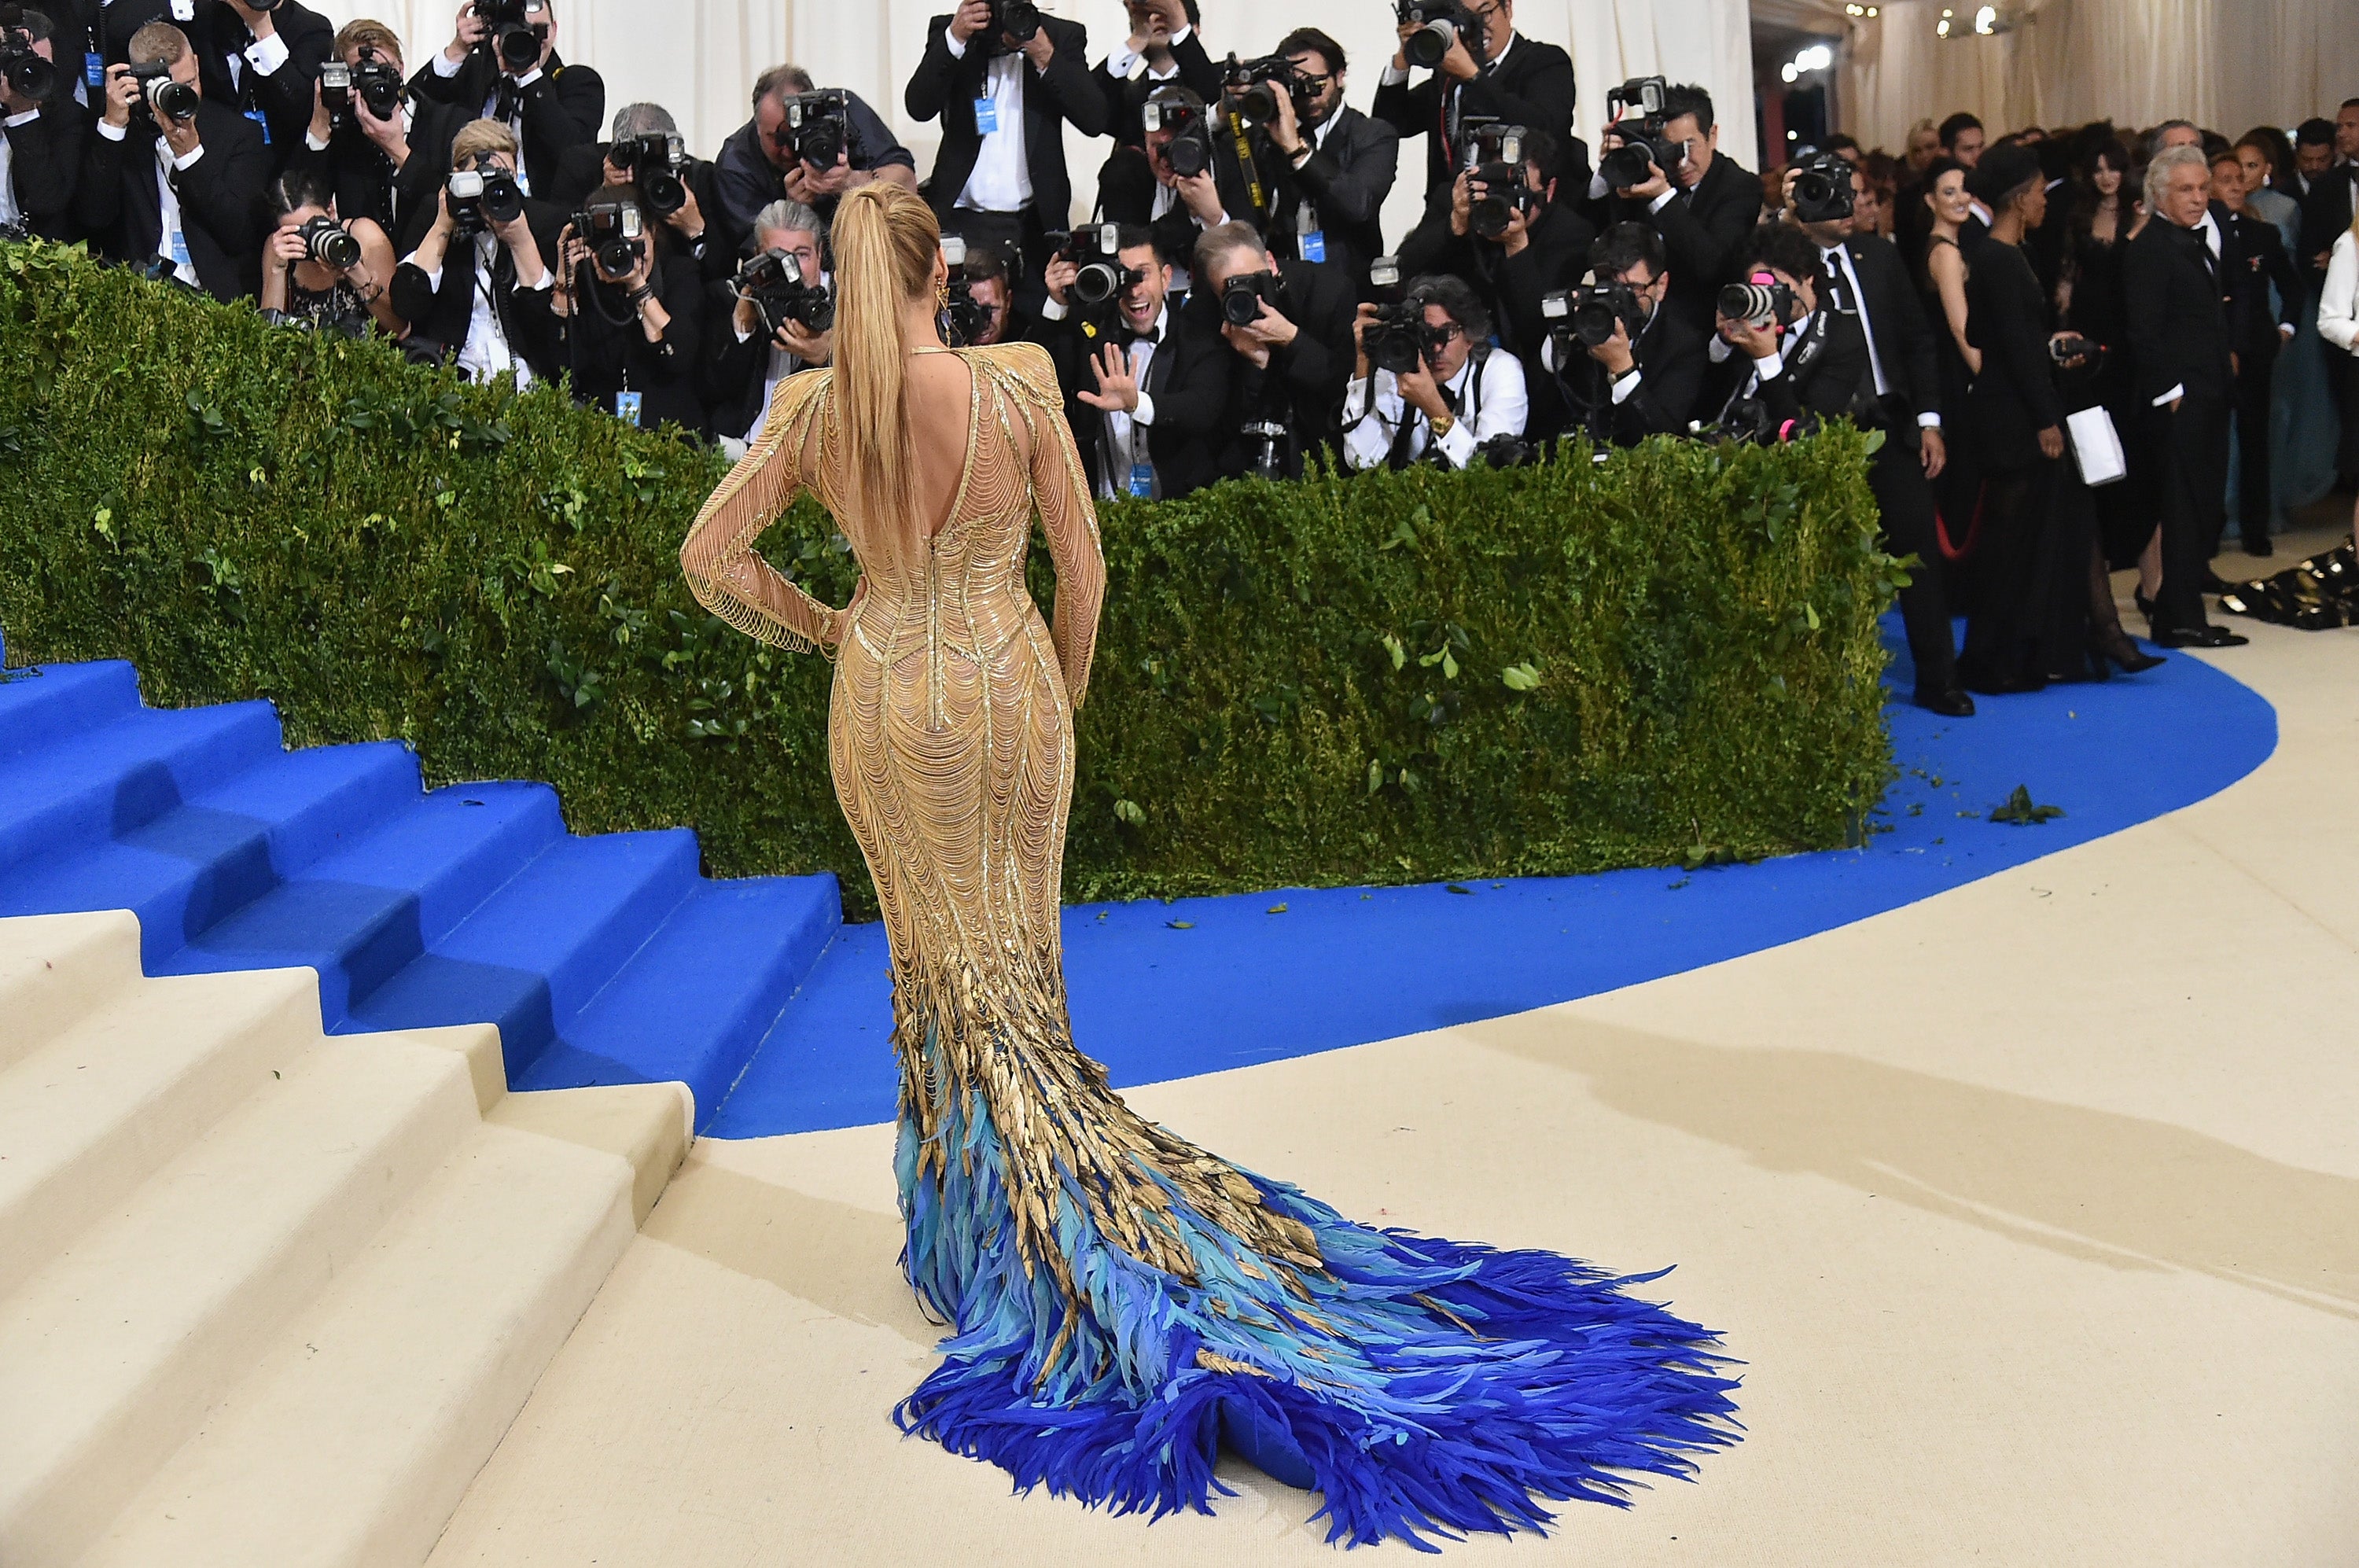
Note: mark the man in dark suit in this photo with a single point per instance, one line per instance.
(1865, 275)
(2264, 293)
(1332, 166)
(1143, 188)
(1627, 389)
(746, 355)
(40, 147)
(550, 105)
(261, 62)
(1152, 380)
(1813, 364)
(2331, 194)
(1166, 48)
(188, 193)
(1293, 355)
(482, 299)
(76, 31)
(2175, 288)
(1004, 102)
(389, 169)
(1498, 73)
(1704, 209)
(759, 164)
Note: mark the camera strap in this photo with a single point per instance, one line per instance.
(1246, 166)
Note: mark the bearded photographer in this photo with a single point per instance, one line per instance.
(1623, 366)
(321, 272)
(1704, 206)
(502, 65)
(780, 313)
(260, 60)
(383, 153)
(647, 161)
(1866, 275)
(42, 146)
(629, 321)
(1331, 165)
(1166, 48)
(1289, 325)
(764, 158)
(1486, 68)
(477, 289)
(172, 178)
(1452, 392)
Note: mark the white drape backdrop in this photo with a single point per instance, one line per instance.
(698, 58)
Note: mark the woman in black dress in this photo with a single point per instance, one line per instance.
(1930, 223)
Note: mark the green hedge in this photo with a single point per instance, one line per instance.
(1668, 658)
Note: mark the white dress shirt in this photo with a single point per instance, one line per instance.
(2338, 306)
(1125, 433)
(171, 240)
(1502, 404)
(11, 210)
(1002, 178)
(486, 351)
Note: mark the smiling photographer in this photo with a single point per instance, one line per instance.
(1427, 385)
(1624, 367)
(477, 288)
(775, 317)
(1289, 325)
(1332, 166)
(46, 134)
(1481, 66)
(502, 65)
(802, 144)
(1705, 205)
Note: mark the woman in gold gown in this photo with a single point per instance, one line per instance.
(1121, 1302)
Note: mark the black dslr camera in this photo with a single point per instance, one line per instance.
(1253, 86)
(1584, 318)
(1017, 19)
(613, 231)
(510, 34)
(1394, 338)
(1637, 108)
(1097, 250)
(1494, 153)
(1759, 305)
(1242, 296)
(28, 74)
(329, 243)
(1440, 24)
(657, 162)
(161, 98)
(372, 82)
(482, 199)
(1822, 190)
(773, 281)
(1189, 152)
(818, 127)
(967, 316)
(1749, 422)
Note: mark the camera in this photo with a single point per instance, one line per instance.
(1508, 450)
(1644, 133)
(1267, 445)
(1242, 296)
(1585, 317)
(1017, 19)
(1097, 249)
(611, 230)
(1749, 422)
(1759, 304)
(2072, 349)
(1494, 153)
(480, 202)
(373, 82)
(1253, 85)
(656, 162)
(818, 127)
(773, 281)
(510, 34)
(1190, 151)
(1440, 24)
(1395, 337)
(329, 243)
(163, 98)
(1822, 190)
(968, 317)
(28, 74)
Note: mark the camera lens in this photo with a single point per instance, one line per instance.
(331, 245)
(519, 46)
(30, 76)
(1097, 283)
(1241, 300)
(1426, 47)
(664, 192)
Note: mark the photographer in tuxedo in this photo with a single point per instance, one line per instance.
(1455, 394)
(385, 167)
(1289, 325)
(1145, 188)
(185, 193)
(1802, 357)
(745, 357)
(1628, 387)
(1705, 209)
(1865, 275)
(2175, 284)
(1489, 70)
(476, 289)
(1166, 48)
(1331, 167)
(550, 105)
(759, 164)
(260, 61)
(41, 147)
(1004, 102)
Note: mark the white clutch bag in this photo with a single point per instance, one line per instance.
(2096, 447)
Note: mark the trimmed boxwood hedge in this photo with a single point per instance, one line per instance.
(1672, 656)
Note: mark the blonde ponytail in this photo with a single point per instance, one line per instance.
(886, 240)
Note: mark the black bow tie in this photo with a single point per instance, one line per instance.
(1150, 336)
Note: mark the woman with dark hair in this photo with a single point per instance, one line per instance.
(1931, 225)
(320, 272)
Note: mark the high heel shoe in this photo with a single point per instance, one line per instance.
(2119, 649)
(2144, 604)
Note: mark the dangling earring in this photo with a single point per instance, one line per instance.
(942, 295)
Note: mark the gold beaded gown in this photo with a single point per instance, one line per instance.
(1121, 1303)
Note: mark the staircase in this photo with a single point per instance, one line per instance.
(267, 1295)
(604, 960)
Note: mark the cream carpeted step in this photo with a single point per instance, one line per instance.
(56, 968)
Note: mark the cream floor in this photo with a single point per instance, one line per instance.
(2033, 1210)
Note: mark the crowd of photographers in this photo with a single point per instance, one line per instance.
(1233, 306)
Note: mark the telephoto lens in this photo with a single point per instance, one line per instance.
(165, 98)
(330, 242)
(1440, 24)
(503, 198)
(1017, 19)
(1100, 281)
(1757, 305)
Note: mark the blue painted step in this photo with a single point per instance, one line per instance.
(603, 960)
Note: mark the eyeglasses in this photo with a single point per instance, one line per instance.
(1315, 83)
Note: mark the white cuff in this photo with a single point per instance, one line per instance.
(1145, 413)
(267, 55)
(27, 118)
(112, 131)
(1769, 367)
(2283, 330)
(1458, 446)
(1598, 188)
(2171, 397)
(314, 142)
(1626, 386)
(444, 66)
(1392, 77)
(1053, 310)
(1665, 199)
(1929, 422)
(742, 337)
(548, 281)
(955, 44)
(529, 77)
(1119, 61)
(188, 159)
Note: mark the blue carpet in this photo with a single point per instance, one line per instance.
(1163, 991)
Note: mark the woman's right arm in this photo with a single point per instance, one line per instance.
(725, 572)
(1950, 278)
(2338, 306)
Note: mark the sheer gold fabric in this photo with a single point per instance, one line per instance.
(951, 745)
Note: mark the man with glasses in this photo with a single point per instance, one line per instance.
(1704, 209)
(1632, 386)
(1460, 394)
(1335, 167)
(1495, 71)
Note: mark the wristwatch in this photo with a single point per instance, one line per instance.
(1444, 425)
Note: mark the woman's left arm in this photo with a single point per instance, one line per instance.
(1069, 521)
(725, 572)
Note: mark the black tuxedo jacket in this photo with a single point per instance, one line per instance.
(438, 314)
(2178, 311)
(404, 201)
(1672, 358)
(1346, 181)
(2015, 397)
(565, 108)
(45, 162)
(1531, 85)
(1904, 338)
(220, 197)
(1302, 385)
(1703, 234)
(1125, 97)
(2326, 214)
(2256, 259)
(947, 87)
(1189, 379)
(1824, 366)
(283, 98)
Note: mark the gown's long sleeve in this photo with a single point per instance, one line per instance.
(724, 570)
(1068, 519)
